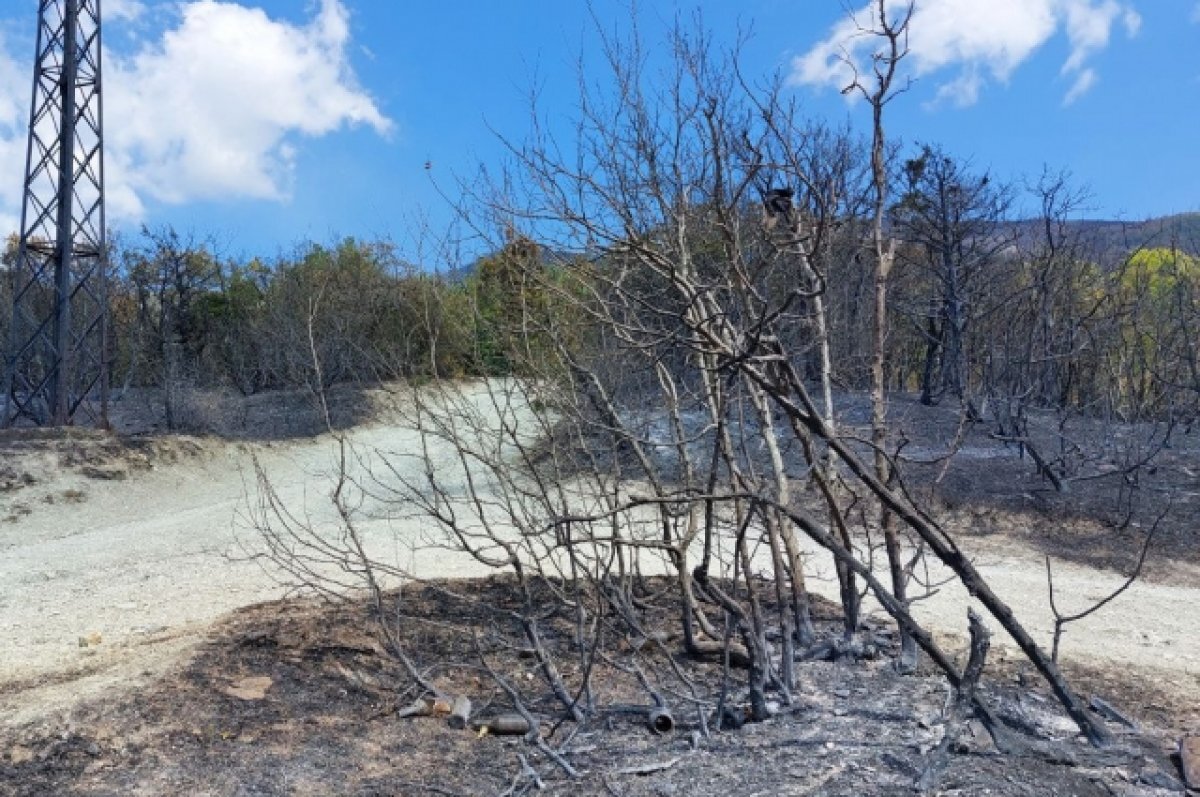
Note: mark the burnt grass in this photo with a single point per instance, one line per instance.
(326, 720)
(1121, 480)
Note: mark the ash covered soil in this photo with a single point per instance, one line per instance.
(123, 556)
(298, 698)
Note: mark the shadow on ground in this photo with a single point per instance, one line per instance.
(225, 413)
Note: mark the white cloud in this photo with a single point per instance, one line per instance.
(1133, 21)
(1088, 28)
(961, 92)
(209, 111)
(214, 107)
(123, 9)
(1083, 83)
(979, 40)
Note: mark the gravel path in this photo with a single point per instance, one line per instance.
(109, 583)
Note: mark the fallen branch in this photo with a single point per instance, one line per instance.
(649, 768)
(961, 708)
(1110, 712)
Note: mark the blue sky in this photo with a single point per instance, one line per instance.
(264, 124)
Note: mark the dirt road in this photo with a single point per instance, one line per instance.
(105, 584)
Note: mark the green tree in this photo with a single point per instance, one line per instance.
(1156, 295)
(515, 327)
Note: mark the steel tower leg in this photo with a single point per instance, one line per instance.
(56, 369)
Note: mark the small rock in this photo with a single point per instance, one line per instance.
(981, 740)
(104, 474)
(253, 688)
(91, 640)
(1189, 757)
(20, 755)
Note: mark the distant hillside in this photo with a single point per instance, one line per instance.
(1115, 239)
(1181, 230)
(1107, 241)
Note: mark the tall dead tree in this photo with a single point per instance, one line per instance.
(949, 220)
(879, 88)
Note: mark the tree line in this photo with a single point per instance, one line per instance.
(1036, 312)
(184, 318)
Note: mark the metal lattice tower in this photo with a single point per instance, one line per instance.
(56, 366)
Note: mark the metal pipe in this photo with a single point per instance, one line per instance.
(661, 720)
